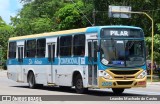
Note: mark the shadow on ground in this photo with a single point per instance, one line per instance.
(89, 92)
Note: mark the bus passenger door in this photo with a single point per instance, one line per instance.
(51, 59)
(20, 63)
(92, 62)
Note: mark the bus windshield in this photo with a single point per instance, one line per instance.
(122, 53)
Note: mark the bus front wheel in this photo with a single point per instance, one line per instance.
(79, 85)
(31, 80)
(117, 91)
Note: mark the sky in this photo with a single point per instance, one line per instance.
(9, 8)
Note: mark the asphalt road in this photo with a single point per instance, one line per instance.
(9, 87)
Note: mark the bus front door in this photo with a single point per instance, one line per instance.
(92, 59)
(51, 60)
(20, 70)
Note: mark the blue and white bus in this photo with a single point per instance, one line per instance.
(93, 57)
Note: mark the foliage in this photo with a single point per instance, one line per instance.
(70, 16)
(2, 23)
(6, 31)
(156, 46)
(35, 17)
(149, 6)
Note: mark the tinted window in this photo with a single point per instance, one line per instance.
(41, 46)
(12, 50)
(79, 45)
(51, 52)
(65, 45)
(31, 48)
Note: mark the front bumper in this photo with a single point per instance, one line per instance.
(106, 83)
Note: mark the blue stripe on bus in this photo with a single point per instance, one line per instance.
(63, 61)
(44, 61)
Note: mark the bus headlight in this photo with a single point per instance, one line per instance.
(142, 75)
(106, 75)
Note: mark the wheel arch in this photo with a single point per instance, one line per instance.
(75, 73)
(28, 73)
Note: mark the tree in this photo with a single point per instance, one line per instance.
(6, 31)
(70, 16)
(35, 17)
(2, 23)
(41, 25)
(156, 46)
(149, 6)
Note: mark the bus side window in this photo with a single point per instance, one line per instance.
(89, 51)
(41, 47)
(79, 45)
(65, 45)
(31, 48)
(12, 50)
(95, 50)
(51, 52)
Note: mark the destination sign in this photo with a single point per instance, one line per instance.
(121, 32)
(118, 33)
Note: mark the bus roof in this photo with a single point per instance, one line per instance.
(66, 32)
(121, 26)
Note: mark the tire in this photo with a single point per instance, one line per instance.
(31, 81)
(118, 91)
(79, 85)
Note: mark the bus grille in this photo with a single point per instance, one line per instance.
(124, 77)
(124, 82)
(124, 72)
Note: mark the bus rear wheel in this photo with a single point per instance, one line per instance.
(31, 80)
(79, 85)
(117, 91)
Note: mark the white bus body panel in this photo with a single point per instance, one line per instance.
(62, 74)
